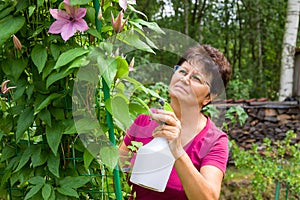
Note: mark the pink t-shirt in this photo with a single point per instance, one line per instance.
(209, 147)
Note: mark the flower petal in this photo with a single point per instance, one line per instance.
(81, 12)
(69, 9)
(68, 31)
(123, 4)
(57, 26)
(112, 18)
(132, 2)
(4, 86)
(54, 13)
(67, 2)
(59, 14)
(81, 25)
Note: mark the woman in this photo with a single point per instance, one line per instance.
(200, 149)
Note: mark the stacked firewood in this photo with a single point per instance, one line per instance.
(265, 119)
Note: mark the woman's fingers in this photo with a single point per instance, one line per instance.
(166, 131)
(166, 117)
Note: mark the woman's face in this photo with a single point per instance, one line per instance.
(189, 85)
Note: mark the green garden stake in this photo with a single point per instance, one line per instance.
(116, 174)
(287, 189)
(277, 190)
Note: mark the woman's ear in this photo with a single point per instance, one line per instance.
(209, 98)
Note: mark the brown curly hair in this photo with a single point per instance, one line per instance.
(214, 62)
(219, 58)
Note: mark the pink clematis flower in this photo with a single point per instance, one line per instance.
(4, 88)
(68, 21)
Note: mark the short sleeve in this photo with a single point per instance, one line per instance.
(218, 155)
(140, 130)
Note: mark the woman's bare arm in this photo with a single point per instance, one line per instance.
(205, 184)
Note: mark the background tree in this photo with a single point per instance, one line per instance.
(249, 33)
(288, 52)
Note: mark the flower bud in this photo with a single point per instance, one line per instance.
(100, 14)
(17, 42)
(117, 23)
(131, 64)
(4, 88)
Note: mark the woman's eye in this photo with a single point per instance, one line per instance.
(182, 71)
(197, 78)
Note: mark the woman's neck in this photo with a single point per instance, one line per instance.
(183, 111)
(192, 120)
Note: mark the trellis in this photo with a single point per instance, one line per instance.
(103, 184)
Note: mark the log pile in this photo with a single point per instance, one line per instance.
(265, 119)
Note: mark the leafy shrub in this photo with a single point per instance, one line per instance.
(271, 163)
(239, 87)
(43, 151)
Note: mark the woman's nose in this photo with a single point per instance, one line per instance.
(185, 79)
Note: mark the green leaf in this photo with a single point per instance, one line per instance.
(70, 128)
(37, 31)
(137, 109)
(29, 91)
(78, 62)
(107, 47)
(168, 107)
(74, 182)
(133, 40)
(109, 155)
(122, 67)
(56, 76)
(39, 57)
(139, 12)
(37, 180)
(6, 11)
(14, 68)
(55, 50)
(68, 56)
(9, 26)
(87, 124)
(25, 120)
(53, 164)
(87, 158)
(108, 69)
(21, 85)
(94, 32)
(53, 195)
(45, 116)
(38, 157)
(79, 2)
(7, 152)
(21, 5)
(151, 25)
(58, 113)
(48, 69)
(68, 191)
(34, 190)
(40, 2)
(53, 135)
(46, 191)
(25, 158)
(46, 102)
(120, 111)
(88, 73)
(31, 9)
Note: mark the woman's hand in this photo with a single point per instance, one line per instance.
(170, 129)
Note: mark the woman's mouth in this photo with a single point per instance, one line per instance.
(181, 88)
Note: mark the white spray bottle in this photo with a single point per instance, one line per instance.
(153, 164)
